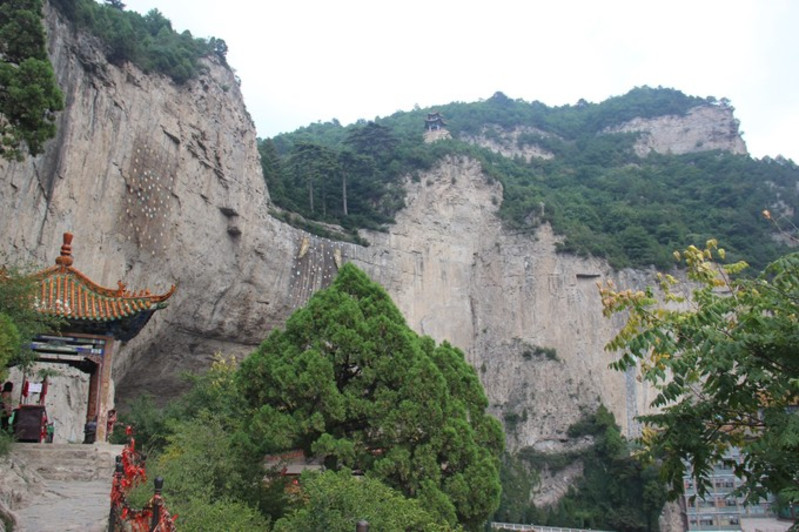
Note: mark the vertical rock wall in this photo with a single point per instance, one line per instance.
(529, 319)
(161, 184)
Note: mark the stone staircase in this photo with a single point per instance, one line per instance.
(69, 461)
(58, 487)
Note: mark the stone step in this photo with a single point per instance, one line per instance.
(67, 506)
(68, 461)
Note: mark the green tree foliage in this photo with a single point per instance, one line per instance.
(207, 477)
(147, 41)
(324, 174)
(29, 94)
(10, 342)
(616, 491)
(372, 140)
(271, 167)
(518, 480)
(724, 363)
(312, 167)
(335, 501)
(149, 420)
(568, 121)
(354, 168)
(20, 322)
(347, 380)
(198, 446)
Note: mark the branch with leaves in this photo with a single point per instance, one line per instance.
(721, 351)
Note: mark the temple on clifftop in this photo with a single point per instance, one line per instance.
(435, 128)
(434, 121)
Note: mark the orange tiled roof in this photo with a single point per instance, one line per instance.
(66, 292)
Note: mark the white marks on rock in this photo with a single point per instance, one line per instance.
(149, 184)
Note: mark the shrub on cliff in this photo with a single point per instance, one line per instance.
(29, 94)
(148, 41)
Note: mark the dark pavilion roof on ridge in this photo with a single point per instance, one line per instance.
(67, 293)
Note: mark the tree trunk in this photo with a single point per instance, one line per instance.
(344, 193)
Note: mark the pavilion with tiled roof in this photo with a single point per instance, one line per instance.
(96, 320)
(65, 292)
(434, 121)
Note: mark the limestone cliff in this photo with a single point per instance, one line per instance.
(706, 127)
(528, 318)
(507, 143)
(161, 184)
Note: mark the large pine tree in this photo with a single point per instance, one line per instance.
(347, 380)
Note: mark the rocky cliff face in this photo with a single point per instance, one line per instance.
(707, 127)
(529, 319)
(507, 143)
(161, 184)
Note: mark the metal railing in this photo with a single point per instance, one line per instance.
(537, 528)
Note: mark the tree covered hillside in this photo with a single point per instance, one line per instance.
(595, 191)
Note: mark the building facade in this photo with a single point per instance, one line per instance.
(720, 509)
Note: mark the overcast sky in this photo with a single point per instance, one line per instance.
(315, 60)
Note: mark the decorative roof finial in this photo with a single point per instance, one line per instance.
(65, 260)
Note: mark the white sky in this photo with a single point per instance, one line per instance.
(302, 61)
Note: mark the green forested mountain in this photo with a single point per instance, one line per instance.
(595, 191)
